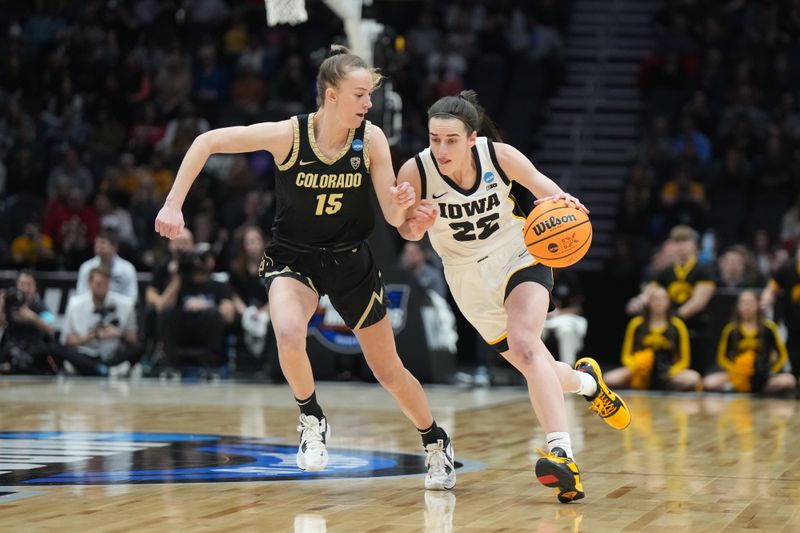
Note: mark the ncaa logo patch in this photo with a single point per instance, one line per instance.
(488, 177)
(111, 458)
(357, 145)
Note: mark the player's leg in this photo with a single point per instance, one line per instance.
(380, 351)
(291, 304)
(526, 308)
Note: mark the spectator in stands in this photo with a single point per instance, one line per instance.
(122, 272)
(736, 269)
(29, 330)
(202, 309)
(787, 281)
(690, 287)
(790, 226)
(249, 292)
(565, 322)
(751, 353)
(101, 325)
(656, 351)
(69, 174)
(428, 276)
(115, 217)
(73, 226)
(32, 248)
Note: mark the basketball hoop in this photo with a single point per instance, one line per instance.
(286, 12)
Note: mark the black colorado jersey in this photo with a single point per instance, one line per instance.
(322, 202)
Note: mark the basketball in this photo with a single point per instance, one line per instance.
(557, 235)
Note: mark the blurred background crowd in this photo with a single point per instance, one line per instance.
(99, 100)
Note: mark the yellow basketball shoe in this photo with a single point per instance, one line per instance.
(555, 469)
(606, 403)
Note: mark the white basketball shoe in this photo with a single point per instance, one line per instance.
(312, 456)
(441, 466)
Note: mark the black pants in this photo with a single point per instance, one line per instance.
(198, 333)
(47, 357)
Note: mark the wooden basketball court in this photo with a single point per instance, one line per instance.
(98, 455)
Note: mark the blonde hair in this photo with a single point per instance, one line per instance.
(336, 66)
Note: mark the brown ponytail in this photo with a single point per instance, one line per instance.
(465, 107)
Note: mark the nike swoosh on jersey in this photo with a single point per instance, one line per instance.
(436, 197)
(304, 163)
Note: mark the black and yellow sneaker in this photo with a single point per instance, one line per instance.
(555, 469)
(606, 403)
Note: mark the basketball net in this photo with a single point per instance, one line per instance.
(286, 12)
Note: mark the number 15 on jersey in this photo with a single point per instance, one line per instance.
(328, 203)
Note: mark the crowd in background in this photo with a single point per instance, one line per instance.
(100, 99)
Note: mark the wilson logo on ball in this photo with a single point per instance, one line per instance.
(551, 223)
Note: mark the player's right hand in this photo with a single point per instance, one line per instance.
(423, 217)
(169, 222)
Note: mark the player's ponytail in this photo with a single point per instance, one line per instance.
(465, 107)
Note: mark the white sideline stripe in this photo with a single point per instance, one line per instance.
(20, 466)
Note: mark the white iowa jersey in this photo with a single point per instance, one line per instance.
(472, 224)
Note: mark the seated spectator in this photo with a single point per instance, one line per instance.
(70, 173)
(123, 273)
(790, 225)
(428, 276)
(115, 217)
(194, 310)
(655, 352)
(32, 249)
(73, 226)
(786, 280)
(250, 294)
(27, 345)
(736, 269)
(101, 325)
(750, 353)
(565, 322)
(690, 286)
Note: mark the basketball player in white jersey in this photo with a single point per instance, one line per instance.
(463, 185)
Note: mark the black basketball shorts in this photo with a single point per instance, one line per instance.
(347, 274)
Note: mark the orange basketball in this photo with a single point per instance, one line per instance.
(557, 235)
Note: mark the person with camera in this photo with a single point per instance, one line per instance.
(29, 328)
(195, 310)
(123, 273)
(101, 325)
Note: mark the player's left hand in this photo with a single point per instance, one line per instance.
(404, 195)
(571, 201)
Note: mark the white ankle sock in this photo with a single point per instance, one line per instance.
(559, 439)
(588, 385)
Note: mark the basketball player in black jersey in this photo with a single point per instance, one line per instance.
(327, 162)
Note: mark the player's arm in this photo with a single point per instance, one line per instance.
(420, 216)
(703, 291)
(394, 199)
(520, 169)
(274, 137)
